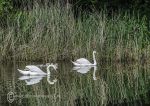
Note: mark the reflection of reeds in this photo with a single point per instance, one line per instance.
(116, 83)
(127, 83)
(51, 33)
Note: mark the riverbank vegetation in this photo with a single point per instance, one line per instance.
(51, 33)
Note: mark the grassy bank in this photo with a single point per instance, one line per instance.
(52, 33)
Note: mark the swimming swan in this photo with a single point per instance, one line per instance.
(34, 70)
(85, 62)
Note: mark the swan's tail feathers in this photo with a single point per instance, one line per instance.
(23, 72)
(74, 63)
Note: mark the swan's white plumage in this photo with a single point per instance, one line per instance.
(82, 60)
(34, 70)
(29, 72)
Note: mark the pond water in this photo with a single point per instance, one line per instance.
(106, 84)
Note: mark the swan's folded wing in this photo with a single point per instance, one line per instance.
(34, 69)
(23, 72)
(82, 61)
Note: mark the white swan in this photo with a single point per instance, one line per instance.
(34, 70)
(85, 62)
(34, 79)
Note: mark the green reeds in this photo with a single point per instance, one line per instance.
(52, 33)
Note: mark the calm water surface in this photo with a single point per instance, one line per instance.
(106, 84)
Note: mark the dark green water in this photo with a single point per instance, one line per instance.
(106, 84)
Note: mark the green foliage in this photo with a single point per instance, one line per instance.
(6, 12)
(5, 7)
(52, 33)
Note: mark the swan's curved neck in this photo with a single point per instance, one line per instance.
(94, 59)
(48, 70)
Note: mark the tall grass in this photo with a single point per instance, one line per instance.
(52, 33)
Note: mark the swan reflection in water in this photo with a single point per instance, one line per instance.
(85, 69)
(30, 80)
(35, 75)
